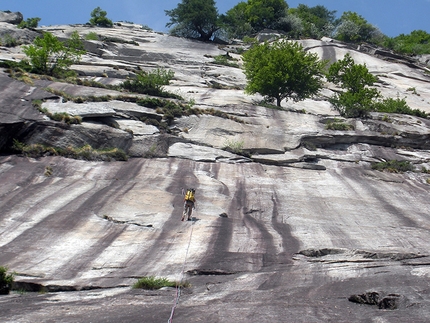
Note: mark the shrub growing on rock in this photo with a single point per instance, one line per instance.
(358, 99)
(398, 105)
(150, 83)
(337, 124)
(84, 153)
(9, 41)
(92, 36)
(225, 60)
(6, 281)
(49, 56)
(29, 23)
(394, 166)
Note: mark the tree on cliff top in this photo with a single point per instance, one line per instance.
(283, 70)
(194, 19)
(252, 16)
(98, 18)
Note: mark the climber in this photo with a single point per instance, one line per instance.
(189, 204)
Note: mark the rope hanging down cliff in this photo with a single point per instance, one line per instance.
(178, 286)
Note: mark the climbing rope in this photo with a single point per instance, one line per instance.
(178, 286)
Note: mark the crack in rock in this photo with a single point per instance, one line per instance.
(390, 301)
(208, 272)
(110, 219)
(366, 256)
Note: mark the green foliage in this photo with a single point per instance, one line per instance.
(398, 105)
(150, 83)
(235, 22)
(354, 105)
(309, 145)
(253, 16)
(269, 104)
(98, 18)
(152, 282)
(146, 27)
(9, 41)
(394, 166)
(354, 28)
(29, 23)
(194, 19)
(17, 69)
(358, 99)
(169, 109)
(416, 43)
(293, 25)
(65, 117)
(86, 152)
(225, 60)
(6, 280)
(315, 22)
(61, 117)
(337, 124)
(261, 14)
(413, 90)
(282, 70)
(350, 76)
(118, 40)
(50, 56)
(92, 36)
(234, 146)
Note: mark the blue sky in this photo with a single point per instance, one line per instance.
(392, 17)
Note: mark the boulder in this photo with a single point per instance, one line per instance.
(11, 17)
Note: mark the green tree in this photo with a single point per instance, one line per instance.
(98, 18)
(354, 28)
(50, 56)
(194, 19)
(415, 43)
(282, 70)
(316, 21)
(29, 23)
(358, 99)
(253, 16)
(263, 14)
(235, 21)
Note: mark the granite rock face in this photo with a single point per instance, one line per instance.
(292, 223)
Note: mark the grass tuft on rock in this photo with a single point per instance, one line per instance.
(152, 282)
(394, 166)
(337, 124)
(83, 153)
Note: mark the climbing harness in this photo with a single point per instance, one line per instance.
(178, 286)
